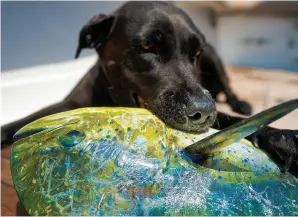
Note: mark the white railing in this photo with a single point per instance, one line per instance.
(24, 91)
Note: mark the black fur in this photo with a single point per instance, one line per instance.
(165, 72)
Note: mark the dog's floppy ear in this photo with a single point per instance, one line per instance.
(95, 32)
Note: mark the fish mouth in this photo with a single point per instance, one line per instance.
(25, 132)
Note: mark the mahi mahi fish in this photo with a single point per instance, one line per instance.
(126, 161)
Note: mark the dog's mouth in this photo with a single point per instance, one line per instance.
(140, 102)
(173, 118)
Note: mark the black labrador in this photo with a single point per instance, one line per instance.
(152, 55)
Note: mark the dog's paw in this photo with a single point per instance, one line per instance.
(281, 145)
(241, 107)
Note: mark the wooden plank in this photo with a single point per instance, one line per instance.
(9, 200)
(263, 89)
(10, 204)
(5, 171)
(5, 152)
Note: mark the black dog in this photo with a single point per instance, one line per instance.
(152, 55)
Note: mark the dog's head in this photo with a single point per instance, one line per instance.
(150, 52)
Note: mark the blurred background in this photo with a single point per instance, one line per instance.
(257, 41)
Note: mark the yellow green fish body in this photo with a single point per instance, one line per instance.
(124, 161)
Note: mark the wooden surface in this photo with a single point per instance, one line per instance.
(10, 205)
(262, 88)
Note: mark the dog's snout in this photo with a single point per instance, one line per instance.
(197, 115)
(200, 110)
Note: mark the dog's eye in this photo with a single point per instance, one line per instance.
(195, 56)
(146, 45)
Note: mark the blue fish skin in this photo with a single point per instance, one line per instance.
(120, 161)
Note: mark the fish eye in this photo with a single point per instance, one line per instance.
(71, 139)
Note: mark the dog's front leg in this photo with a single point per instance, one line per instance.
(280, 145)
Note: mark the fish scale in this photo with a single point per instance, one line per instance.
(125, 161)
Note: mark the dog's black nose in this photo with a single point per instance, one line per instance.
(200, 109)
